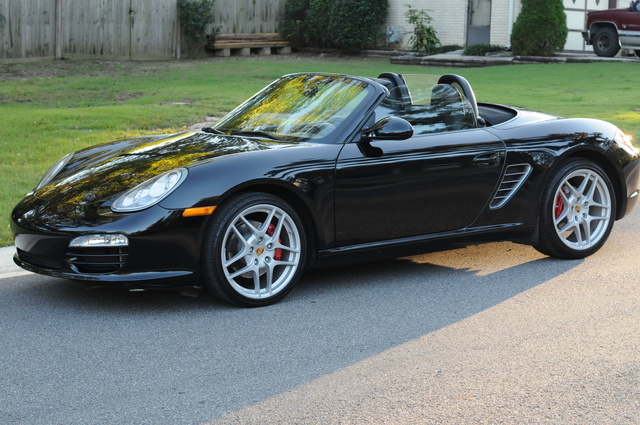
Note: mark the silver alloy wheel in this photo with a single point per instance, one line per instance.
(261, 251)
(582, 209)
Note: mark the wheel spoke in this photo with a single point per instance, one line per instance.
(269, 280)
(598, 217)
(574, 191)
(563, 215)
(284, 263)
(242, 250)
(275, 237)
(248, 268)
(586, 178)
(604, 206)
(568, 227)
(290, 249)
(584, 233)
(249, 225)
(233, 259)
(589, 196)
(256, 283)
(265, 225)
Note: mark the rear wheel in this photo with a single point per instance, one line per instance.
(577, 211)
(638, 53)
(254, 250)
(605, 42)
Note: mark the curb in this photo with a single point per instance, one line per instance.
(457, 60)
(7, 267)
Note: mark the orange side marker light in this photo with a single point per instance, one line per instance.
(195, 212)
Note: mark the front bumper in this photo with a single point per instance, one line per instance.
(163, 250)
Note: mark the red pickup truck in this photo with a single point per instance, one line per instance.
(611, 30)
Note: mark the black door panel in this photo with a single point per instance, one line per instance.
(428, 184)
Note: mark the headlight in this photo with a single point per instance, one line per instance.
(150, 192)
(625, 140)
(53, 171)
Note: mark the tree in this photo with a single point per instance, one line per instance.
(541, 28)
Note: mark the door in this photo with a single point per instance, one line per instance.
(629, 30)
(433, 183)
(479, 22)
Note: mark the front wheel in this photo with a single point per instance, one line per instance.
(605, 42)
(254, 250)
(577, 210)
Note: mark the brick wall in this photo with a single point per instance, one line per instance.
(449, 20)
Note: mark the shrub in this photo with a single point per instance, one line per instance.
(540, 29)
(482, 49)
(350, 25)
(356, 24)
(195, 16)
(447, 48)
(294, 25)
(424, 38)
(317, 22)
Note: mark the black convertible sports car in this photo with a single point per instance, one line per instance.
(319, 169)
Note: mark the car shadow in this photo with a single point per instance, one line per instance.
(335, 317)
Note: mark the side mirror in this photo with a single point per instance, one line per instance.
(389, 128)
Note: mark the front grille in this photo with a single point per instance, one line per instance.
(97, 260)
(513, 178)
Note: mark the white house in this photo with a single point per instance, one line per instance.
(468, 22)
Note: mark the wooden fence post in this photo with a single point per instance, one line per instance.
(59, 40)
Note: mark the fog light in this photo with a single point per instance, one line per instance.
(100, 241)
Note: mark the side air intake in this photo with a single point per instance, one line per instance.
(513, 178)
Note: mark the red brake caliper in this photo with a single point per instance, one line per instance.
(277, 255)
(558, 206)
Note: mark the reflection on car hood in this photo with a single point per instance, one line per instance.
(97, 173)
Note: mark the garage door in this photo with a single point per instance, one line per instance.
(576, 11)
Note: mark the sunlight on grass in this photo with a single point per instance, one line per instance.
(50, 108)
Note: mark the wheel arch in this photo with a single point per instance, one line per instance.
(601, 24)
(297, 202)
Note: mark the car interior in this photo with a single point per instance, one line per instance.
(450, 105)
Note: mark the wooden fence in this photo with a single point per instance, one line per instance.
(132, 29)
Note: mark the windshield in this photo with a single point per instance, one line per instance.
(298, 107)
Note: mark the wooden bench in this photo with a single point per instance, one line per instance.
(246, 44)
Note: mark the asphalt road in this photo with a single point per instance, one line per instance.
(490, 334)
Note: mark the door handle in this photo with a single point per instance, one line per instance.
(487, 160)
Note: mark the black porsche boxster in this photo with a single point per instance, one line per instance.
(321, 169)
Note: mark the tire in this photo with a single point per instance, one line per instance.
(638, 53)
(577, 211)
(254, 250)
(605, 42)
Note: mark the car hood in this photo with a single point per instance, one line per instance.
(598, 13)
(98, 173)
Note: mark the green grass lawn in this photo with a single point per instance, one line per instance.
(49, 108)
